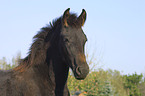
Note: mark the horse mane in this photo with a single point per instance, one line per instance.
(38, 50)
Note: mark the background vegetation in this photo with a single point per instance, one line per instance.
(99, 82)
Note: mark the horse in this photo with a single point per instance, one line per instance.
(44, 71)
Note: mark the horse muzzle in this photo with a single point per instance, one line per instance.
(81, 72)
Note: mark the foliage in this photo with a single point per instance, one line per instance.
(98, 83)
(5, 65)
(131, 84)
(141, 87)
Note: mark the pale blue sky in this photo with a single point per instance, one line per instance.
(115, 28)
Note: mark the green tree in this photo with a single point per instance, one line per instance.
(99, 83)
(131, 84)
(6, 66)
(141, 87)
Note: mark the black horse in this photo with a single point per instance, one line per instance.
(44, 71)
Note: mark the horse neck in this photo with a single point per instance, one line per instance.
(58, 70)
(55, 62)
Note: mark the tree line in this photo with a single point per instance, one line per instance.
(98, 83)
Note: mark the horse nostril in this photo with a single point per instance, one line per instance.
(78, 71)
(81, 71)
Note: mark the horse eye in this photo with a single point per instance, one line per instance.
(66, 40)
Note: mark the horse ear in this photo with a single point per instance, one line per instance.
(65, 17)
(82, 18)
